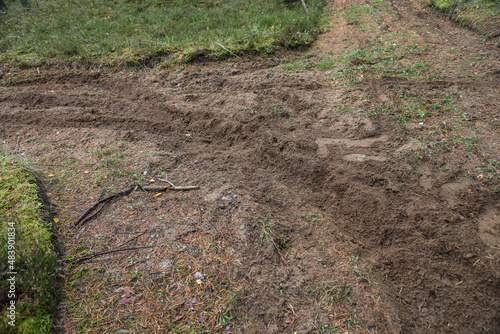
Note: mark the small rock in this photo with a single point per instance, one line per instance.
(469, 256)
(222, 206)
(229, 197)
(199, 275)
(462, 218)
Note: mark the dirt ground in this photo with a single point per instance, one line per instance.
(317, 211)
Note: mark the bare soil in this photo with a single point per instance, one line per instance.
(314, 214)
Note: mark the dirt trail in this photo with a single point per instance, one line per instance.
(348, 203)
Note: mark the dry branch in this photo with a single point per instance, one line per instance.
(305, 6)
(86, 213)
(178, 188)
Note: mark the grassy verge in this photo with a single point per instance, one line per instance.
(35, 262)
(131, 31)
(483, 15)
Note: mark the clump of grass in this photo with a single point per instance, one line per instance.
(479, 14)
(131, 31)
(35, 260)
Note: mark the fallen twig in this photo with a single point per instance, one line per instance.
(305, 6)
(165, 180)
(199, 210)
(85, 216)
(55, 141)
(86, 219)
(178, 188)
(186, 232)
(86, 213)
(90, 256)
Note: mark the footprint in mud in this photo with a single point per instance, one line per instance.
(323, 143)
(450, 191)
(489, 228)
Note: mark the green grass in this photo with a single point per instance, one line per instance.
(131, 31)
(35, 260)
(480, 14)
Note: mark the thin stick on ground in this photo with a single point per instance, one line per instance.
(86, 219)
(165, 180)
(199, 209)
(305, 6)
(179, 188)
(86, 213)
(85, 216)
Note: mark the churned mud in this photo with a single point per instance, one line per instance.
(330, 214)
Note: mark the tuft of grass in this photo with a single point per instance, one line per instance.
(266, 226)
(129, 32)
(35, 262)
(479, 14)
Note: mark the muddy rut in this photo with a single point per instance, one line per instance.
(430, 241)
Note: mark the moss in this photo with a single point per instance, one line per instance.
(35, 259)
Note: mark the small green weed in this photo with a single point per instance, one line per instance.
(363, 278)
(266, 226)
(281, 110)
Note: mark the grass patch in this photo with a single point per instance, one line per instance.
(35, 261)
(133, 31)
(385, 56)
(482, 15)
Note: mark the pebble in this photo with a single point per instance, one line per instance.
(199, 275)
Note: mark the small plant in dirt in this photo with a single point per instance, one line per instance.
(363, 278)
(313, 218)
(281, 110)
(282, 242)
(353, 259)
(266, 225)
(336, 293)
(351, 322)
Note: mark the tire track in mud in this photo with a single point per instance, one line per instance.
(421, 244)
(421, 238)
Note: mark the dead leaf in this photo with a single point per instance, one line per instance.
(202, 318)
(56, 220)
(126, 292)
(126, 300)
(199, 281)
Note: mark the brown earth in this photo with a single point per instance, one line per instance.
(310, 190)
